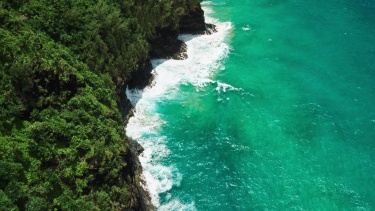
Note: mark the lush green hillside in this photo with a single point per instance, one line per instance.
(62, 144)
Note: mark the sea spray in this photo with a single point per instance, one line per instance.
(205, 54)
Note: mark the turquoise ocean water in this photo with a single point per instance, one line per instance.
(276, 111)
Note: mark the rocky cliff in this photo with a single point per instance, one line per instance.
(193, 22)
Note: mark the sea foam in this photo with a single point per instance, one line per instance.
(205, 54)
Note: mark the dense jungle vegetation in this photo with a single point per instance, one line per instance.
(62, 143)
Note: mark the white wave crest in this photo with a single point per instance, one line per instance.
(246, 28)
(224, 87)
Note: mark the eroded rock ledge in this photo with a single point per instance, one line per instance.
(165, 44)
(194, 23)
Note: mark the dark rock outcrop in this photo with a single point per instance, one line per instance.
(139, 79)
(140, 199)
(166, 45)
(124, 104)
(194, 23)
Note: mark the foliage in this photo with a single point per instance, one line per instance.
(62, 144)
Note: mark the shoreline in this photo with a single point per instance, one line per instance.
(166, 46)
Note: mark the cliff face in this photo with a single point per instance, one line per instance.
(139, 79)
(165, 44)
(140, 199)
(193, 22)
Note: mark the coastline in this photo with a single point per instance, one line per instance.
(166, 46)
(65, 69)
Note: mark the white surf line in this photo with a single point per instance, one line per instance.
(205, 53)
